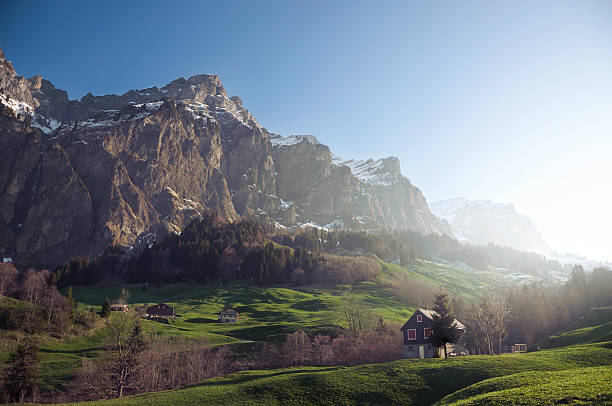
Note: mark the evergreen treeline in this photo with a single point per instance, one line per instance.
(404, 246)
(210, 249)
(530, 313)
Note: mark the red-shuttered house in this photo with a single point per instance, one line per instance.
(416, 332)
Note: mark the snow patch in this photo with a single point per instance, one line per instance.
(334, 225)
(20, 109)
(311, 224)
(369, 171)
(46, 125)
(279, 140)
(172, 192)
(285, 205)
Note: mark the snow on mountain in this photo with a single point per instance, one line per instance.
(484, 221)
(279, 141)
(19, 108)
(382, 172)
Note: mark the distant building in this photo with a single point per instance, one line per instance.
(117, 307)
(228, 316)
(160, 310)
(416, 332)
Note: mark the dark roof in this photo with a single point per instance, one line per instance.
(161, 309)
(429, 314)
(228, 311)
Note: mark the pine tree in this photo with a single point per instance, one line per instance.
(106, 308)
(443, 331)
(21, 373)
(71, 302)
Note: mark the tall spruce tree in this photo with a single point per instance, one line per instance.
(21, 372)
(106, 308)
(443, 331)
(71, 302)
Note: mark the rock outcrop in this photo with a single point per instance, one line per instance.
(79, 175)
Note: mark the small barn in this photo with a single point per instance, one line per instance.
(118, 307)
(228, 316)
(416, 332)
(160, 310)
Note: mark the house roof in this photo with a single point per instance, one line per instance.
(429, 314)
(160, 309)
(228, 311)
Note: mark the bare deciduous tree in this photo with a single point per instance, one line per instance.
(497, 303)
(297, 349)
(8, 279)
(356, 314)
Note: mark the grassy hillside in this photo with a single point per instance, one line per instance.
(584, 386)
(460, 280)
(269, 312)
(595, 326)
(405, 382)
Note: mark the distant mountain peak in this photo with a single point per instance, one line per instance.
(485, 221)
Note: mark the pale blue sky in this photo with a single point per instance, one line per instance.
(508, 101)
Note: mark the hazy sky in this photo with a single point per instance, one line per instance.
(507, 101)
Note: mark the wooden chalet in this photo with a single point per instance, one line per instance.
(159, 310)
(416, 332)
(228, 316)
(118, 307)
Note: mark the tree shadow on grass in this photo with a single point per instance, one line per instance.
(261, 333)
(79, 351)
(242, 378)
(201, 320)
(313, 305)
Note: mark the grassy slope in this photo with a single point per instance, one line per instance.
(595, 326)
(401, 382)
(586, 386)
(58, 358)
(271, 312)
(574, 386)
(464, 281)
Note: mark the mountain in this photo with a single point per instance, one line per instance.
(483, 221)
(79, 175)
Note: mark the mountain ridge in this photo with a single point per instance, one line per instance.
(80, 175)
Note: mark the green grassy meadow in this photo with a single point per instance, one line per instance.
(271, 312)
(580, 386)
(595, 326)
(418, 382)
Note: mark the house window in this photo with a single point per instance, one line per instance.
(419, 318)
(412, 334)
(411, 348)
(426, 333)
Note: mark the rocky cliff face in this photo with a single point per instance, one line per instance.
(482, 221)
(78, 175)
